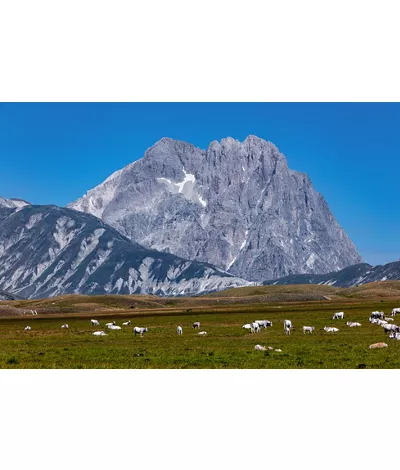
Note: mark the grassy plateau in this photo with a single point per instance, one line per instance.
(221, 315)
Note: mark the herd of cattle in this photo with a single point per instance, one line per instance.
(377, 318)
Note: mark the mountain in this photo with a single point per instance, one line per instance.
(48, 250)
(13, 203)
(236, 205)
(351, 276)
(6, 296)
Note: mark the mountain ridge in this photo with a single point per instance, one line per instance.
(48, 250)
(236, 205)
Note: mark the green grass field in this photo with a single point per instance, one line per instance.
(227, 345)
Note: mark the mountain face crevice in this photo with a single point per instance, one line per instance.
(236, 205)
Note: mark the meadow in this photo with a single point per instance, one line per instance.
(226, 345)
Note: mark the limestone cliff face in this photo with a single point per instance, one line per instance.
(236, 205)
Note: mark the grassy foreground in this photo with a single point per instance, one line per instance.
(227, 345)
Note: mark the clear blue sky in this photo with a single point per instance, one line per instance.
(55, 152)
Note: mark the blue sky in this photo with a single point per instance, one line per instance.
(52, 153)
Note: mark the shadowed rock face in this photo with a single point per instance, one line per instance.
(48, 250)
(236, 205)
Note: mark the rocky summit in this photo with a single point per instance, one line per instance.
(236, 205)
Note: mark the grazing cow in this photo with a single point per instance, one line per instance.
(139, 331)
(256, 327)
(248, 326)
(27, 328)
(94, 323)
(258, 347)
(331, 329)
(338, 316)
(351, 324)
(287, 323)
(388, 327)
(65, 326)
(202, 333)
(395, 311)
(308, 329)
(179, 330)
(110, 324)
(264, 323)
(99, 333)
(126, 323)
(287, 326)
(394, 335)
(196, 325)
(377, 315)
(114, 327)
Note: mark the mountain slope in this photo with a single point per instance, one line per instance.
(7, 296)
(13, 203)
(236, 205)
(48, 250)
(352, 276)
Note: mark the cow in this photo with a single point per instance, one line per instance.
(264, 323)
(139, 330)
(308, 329)
(338, 316)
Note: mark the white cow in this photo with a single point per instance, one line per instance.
(287, 326)
(394, 335)
(256, 327)
(264, 323)
(381, 322)
(110, 324)
(94, 323)
(196, 325)
(338, 316)
(114, 327)
(390, 327)
(179, 330)
(65, 326)
(202, 333)
(395, 311)
(331, 329)
(126, 323)
(373, 320)
(308, 329)
(258, 347)
(389, 319)
(351, 324)
(99, 333)
(139, 330)
(248, 326)
(27, 328)
(377, 314)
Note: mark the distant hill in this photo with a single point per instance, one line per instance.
(356, 275)
(47, 251)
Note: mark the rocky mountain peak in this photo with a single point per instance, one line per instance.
(236, 205)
